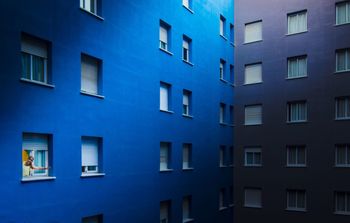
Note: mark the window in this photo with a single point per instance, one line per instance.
(342, 202)
(296, 156)
(297, 22)
(186, 156)
(342, 155)
(253, 115)
(222, 69)
(342, 108)
(165, 151)
(230, 196)
(35, 155)
(90, 75)
(231, 115)
(34, 56)
(232, 37)
(232, 74)
(253, 73)
(297, 111)
(342, 13)
(90, 150)
(90, 6)
(222, 25)
(252, 157)
(297, 67)
(165, 211)
(186, 49)
(187, 3)
(253, 32)
(187, 209)
(165, 92)
(164, 36)
(231, 156)
(92, 219)
(186, 102)
(296, 200)
(343, 60)
(252, 197)
(222, 113)
(222, 199)
(222, 156)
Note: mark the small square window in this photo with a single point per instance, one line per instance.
(93, 219)
(222, 69)
(90, 155)
(164, 97)
(222, 113)
(342, 60)
(252, 157)
(253, 73)
(35, 155)
(253, 32)
(342, 108)
(164, 36)
(296, 156)
(342, 12)
(253, 115)
(297, 67)
(34, 58)
(297, 22)
(187, 209)
(342, 155)
(187, 103)
(90, 75)
(165, 207)
(342, 202)
(187, 156)
(186, 49)
(252, 197)
(165, 156)
(297, 111)
(296, 200)
(222, 26)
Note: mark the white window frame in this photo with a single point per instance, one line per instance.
(186, 102)
(298, 15)
(164, 36)
(186, 49)
(298, 60)
(345, 4)
(83, 5)
(257, 116)
(297, 149)
(346, 52)
(87, 143)
(298, 105)
(253, 73)
(346, 101)
(164, 97)
(347, 155)
(346, 195)
(298, 193)
(258, 32)
(165, 156)
(253, 151)
(256, 190)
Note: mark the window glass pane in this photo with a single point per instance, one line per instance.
(253, 74)
(292, 155)
(302, 66)
(40, 161)
(249, 158)
(257, 158)
(341, 13)
(301, 155)
(253, 32)
(347, 202)
(301, 199)
(25, 65)
(341, 155)
(340, 201)
(89, 74)
(38, 68)
(341, 64)
(340, 106)
(164, 97)
(292, 197)
(253, 115)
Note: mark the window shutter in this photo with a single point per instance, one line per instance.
(35, 142)
(185, 44)
(253, 114)
(163, 34)
(164, 95)
(185, 99)
(253, 32)
(164, 156)
(186, 3)
(34, 46)
(89, 152)
(253, 74)
(89, 75)
(221, 26)
(253, 197)
(186, 156)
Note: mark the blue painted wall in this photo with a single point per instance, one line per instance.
(128, 118)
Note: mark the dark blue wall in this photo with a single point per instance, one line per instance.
(128, 118)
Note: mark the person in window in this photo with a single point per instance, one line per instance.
(29, 167)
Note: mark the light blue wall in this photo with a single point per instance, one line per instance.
(128, 118)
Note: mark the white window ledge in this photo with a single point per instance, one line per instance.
(341, 213)
(188, 62)
(297, 122)
(166, 111)
(293, 78)
(187, 220)
(93, 14)
(296, 209)
(292, 34)
(37, 82)
(166, 51)
(342, 24)
(342, 119)
(223, 123)
(91, 94)
(223, 37)
(342, 71)
(256, 124)
(342, 166)
(84, 175)
(190, 10)
(224, 81)
(255, 41)
(188, 169)
(38, 178)
(245, 84)
(166, 170)
(222, 208)
(187, 116)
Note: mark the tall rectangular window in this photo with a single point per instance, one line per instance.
(342, 108)
(165, 207)
(297, 22)
(222, 25)
(231, 195)
(187, 209)
(252, 197)
(222, 199)
(342, 60)
(90, 150)
(186, 103)
(253, 32)
(89, 5)
(165, 157)
(93, 219)
(222, 156)
(231, 156)
(296, 200)
(90, 75)
(187, 156)
(232, 34)
(164, 96)
(186, 49)
(296, 156)
(342, 202)
(164, 36)
(253, 73)
(232, 74)
(232, 118)
(297, 111)
(34, 58)
(342, 155)
(252, 156)
(222, 69)
(253, 115)
(342, 10)
(222, 113)
(297, 67)
(35, 155)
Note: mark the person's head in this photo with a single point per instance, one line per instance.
(31, 158)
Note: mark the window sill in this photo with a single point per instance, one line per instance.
(91, 94)
(222, 166)
(37, 83)
(231, 205)
(255, 83)
(188, 169)
(188, 220)
(296, 209)
(296, 122)
(31, 179)
(222, 36)
(187, 116)
(224, 81)
(342, 71)
(341, 166)
(223, 208)
(342, 119)
(255, 41)
(251, 206)
(166, 51)
(190, 10)
(166, 170)
(256, 124)
(93, 14)
(188, 62)
(85, 175)
(292, 34)
(293, 78)
(253, 166)
(342, 24)
(166, 111)
(341, 213)
(296, 166)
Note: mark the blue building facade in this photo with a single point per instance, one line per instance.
(126, 108)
